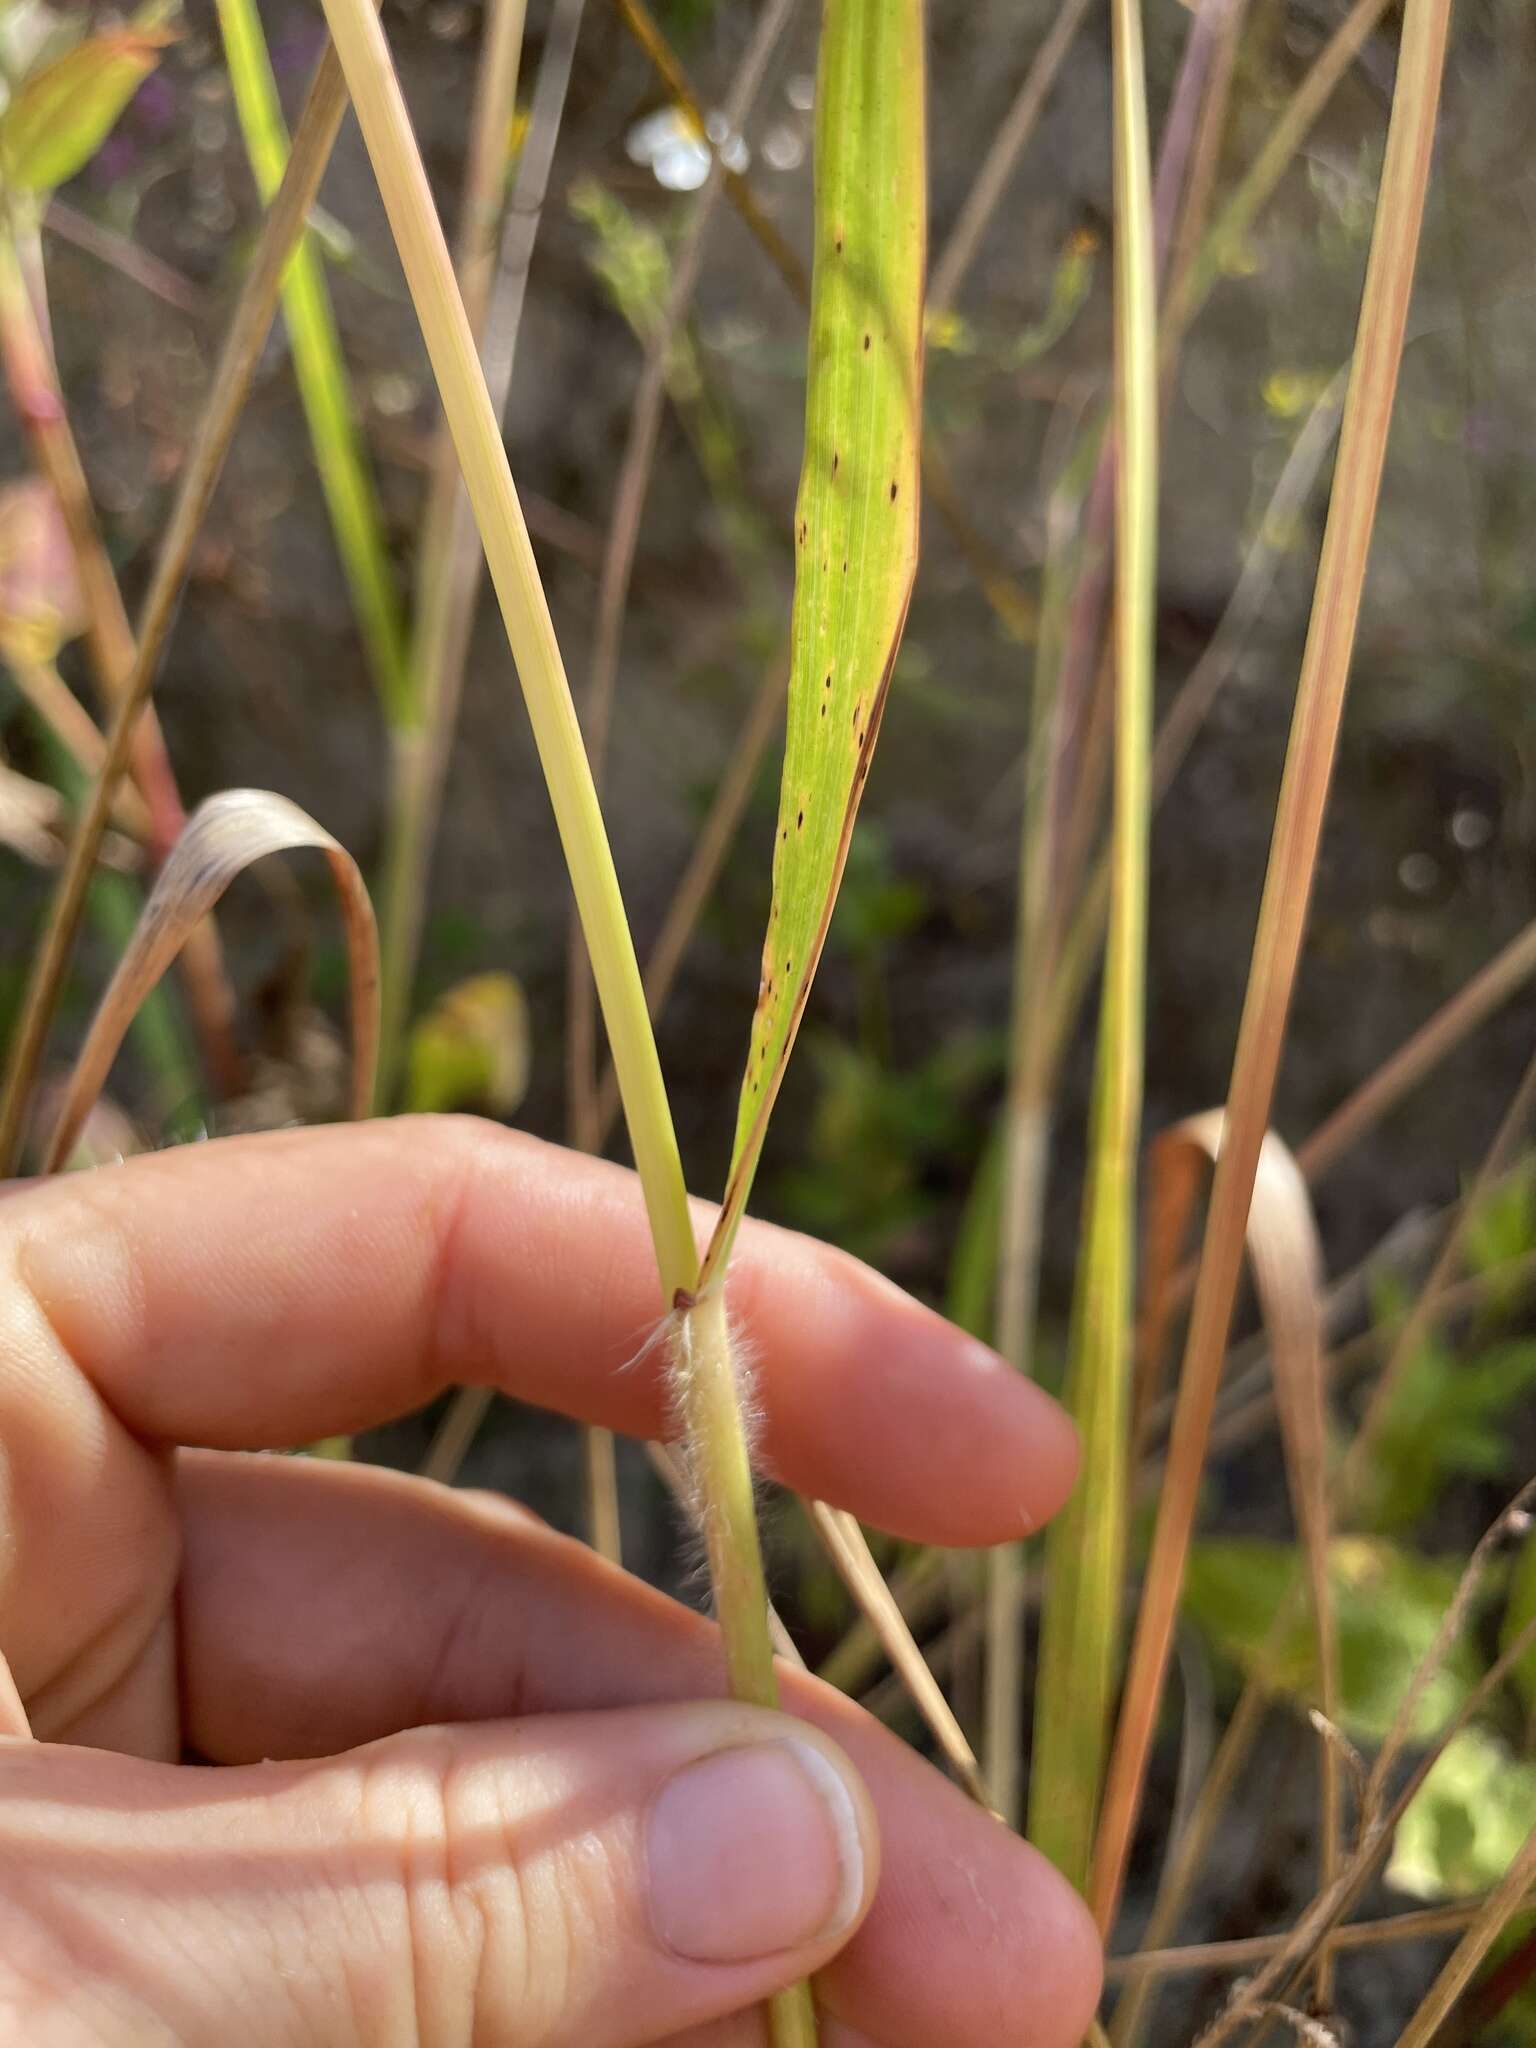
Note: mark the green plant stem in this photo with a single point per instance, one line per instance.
(709, 1393)
(466, 403)
(709, 1399)
(242, 349)
(320, 372)
(1085, 1554)
(1287, 891)
(1023, 1155)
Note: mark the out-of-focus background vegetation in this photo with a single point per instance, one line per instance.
(1429, 861)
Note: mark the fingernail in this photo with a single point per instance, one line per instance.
(752, 1851)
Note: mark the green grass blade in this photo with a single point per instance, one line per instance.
(318, 368)
(857, 513)
(1080, 1631)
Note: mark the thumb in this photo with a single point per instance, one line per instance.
(594, 1879)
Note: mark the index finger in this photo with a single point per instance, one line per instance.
(260, 1292)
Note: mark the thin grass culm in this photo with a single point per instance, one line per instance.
(1085, 1553)
(699, 1338)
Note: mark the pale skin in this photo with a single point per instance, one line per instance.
(473, 1785)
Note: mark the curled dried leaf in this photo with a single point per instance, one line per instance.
(222, 838)
(35, 822)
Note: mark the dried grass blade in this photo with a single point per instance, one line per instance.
(1282, 916)
(449, 557)
(1498, 1909)
(849, 1551)
(1001, 159)
(34, 822)
(222, 838)
(1285, 1254)
(1454, 1022)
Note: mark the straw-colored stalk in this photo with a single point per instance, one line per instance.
(698, 1334)
(449, 555)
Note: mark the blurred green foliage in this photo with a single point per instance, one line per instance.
(1388, 1604)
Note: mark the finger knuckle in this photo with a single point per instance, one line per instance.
(496, 1899)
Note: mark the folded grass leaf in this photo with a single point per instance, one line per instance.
(221, 839)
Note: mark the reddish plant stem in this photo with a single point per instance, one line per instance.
(32, 377)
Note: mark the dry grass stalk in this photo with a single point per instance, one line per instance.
(1282, 916)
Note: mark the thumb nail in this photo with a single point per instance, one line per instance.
(752, 1851)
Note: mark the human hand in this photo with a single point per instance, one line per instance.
(504, 1800)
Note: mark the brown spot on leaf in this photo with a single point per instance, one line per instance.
(893, 492)
(866, 344)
